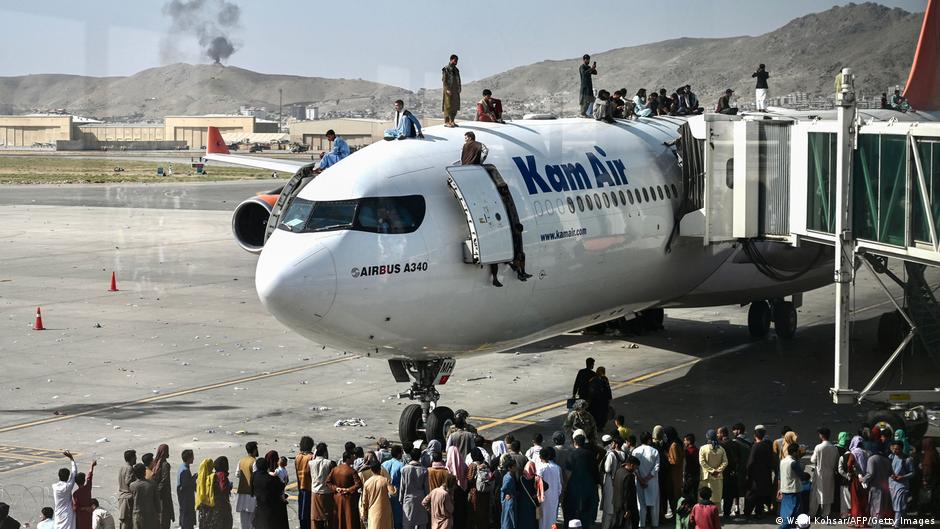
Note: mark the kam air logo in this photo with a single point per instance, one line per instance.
(572, 176)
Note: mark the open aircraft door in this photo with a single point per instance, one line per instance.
(490, 212)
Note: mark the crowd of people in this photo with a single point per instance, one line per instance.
(587, 470)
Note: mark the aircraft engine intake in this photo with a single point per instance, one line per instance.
(250, 220)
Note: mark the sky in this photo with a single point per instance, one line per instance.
(402, 43)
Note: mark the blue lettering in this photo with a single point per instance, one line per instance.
(576, 175)
(556, 177)
(600, 173)
(621, 171)
(531, 175)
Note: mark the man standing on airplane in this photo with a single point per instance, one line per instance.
(586, 70)
(760, 93)
(450, 77)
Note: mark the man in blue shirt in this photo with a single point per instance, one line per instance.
(339, 151)
(186, 492)
(406, 124)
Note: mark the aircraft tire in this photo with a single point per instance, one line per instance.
(758, 319)
(785, 320)
(440, 418)
(409, 424)
(881, 418)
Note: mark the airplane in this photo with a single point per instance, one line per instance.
(395, 251)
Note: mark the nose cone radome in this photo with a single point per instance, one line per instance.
(296, 279)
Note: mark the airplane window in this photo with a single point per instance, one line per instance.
(646, 196)
(613, 198)
(623, 199)
(674, 190)
(590, 204)
(629, 195)
(606, 200)
(560, 206)
(659, 190)
(538, 208)
(549, 207)
(371, 214)
(570, 205)
(580, 204)
(652, 193)
(597, 200)
(668, 194)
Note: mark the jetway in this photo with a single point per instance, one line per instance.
(864, 182)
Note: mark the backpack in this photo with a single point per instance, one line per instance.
(485, 482)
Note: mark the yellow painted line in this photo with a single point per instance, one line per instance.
(493, 419)
(27, 467)
(20, 457)
(564, 403)
(175, 394)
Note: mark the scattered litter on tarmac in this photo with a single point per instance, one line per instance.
(320, 408)
(241, 432)
(103, 440)
(354, 421)
(479, 378)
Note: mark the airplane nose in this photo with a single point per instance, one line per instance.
(296, 279)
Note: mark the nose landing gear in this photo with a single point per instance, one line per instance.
(425, 420)
(777, 311)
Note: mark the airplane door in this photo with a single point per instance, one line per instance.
(488, 212)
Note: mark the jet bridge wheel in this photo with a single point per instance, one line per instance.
(439, 421)
(785, 319)
(758, 319)
(409, 425)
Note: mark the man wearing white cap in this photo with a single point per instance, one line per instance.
(612, 461)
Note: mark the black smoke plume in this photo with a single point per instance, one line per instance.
(210, 21)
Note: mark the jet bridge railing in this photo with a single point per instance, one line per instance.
(895, 188)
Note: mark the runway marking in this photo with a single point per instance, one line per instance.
(175, 394)
(514, 419)
(493, 419)
(19, 457)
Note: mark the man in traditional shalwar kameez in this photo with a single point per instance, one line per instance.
(304, 483)
(877, 478)
(647, 477)
(339, 151)
(450, 77)
(125, 497)
(406, 125)
(825, 459)
(394, 466)
(413, 490)
(902, 468)
(244, 499)
(375, 505)
(585, 71)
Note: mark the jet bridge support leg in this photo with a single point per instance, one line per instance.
(426, 419)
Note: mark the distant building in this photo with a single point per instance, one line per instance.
(257, 112)
(312, 113)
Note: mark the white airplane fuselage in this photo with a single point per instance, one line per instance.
(412, 295)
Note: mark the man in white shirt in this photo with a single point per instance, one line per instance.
(46, 521)
(62, 496)
(825, 458)
(100, 518)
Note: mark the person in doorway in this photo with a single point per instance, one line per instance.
(474, 152)
(62, 495)
(585, 71)
(81, 498)
(244, 473)
(186, 491)
(489, 108)
(724, 104)
(339, 150)
(450, 77)
(760, 91)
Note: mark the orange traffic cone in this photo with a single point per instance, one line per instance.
(114, 287)
(37, 326)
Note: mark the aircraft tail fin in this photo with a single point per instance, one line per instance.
(923, 83)
(216, 145)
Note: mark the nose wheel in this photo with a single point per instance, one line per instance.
(424, 420)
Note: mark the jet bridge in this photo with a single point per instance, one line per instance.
(864, 182)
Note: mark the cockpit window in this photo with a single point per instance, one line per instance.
(371, 214)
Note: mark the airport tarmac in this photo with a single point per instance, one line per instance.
(185, 354)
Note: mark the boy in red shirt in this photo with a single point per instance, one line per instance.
(705, 513)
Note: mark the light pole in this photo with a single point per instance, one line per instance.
(280, 109)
